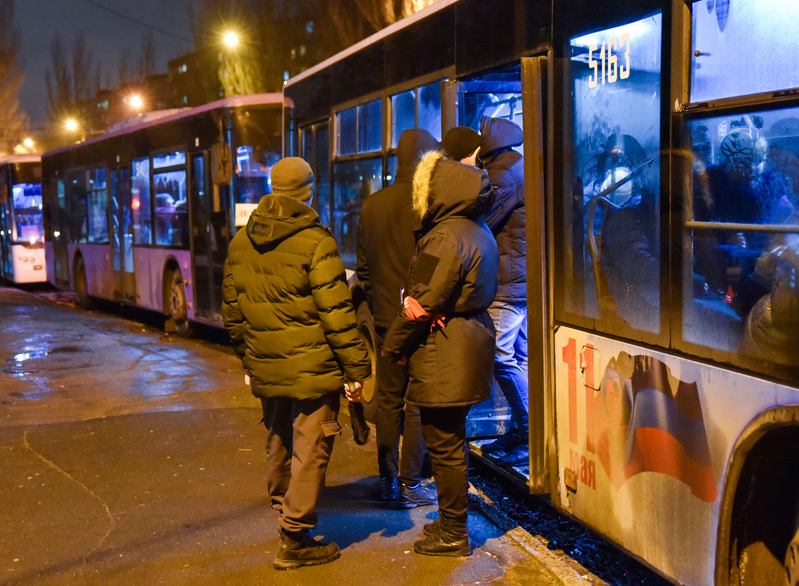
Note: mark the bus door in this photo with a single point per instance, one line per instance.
(60, 235)
(122, 235)
(6, 204)
(204, 240)
(497, 94)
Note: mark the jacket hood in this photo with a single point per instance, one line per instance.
(410, 148)
(445, 189)
(498, 133)
(277, 217)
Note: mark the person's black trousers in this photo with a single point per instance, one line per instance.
(391, 383)
(444, 431)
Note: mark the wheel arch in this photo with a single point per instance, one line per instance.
(755, 444)
(170, 264)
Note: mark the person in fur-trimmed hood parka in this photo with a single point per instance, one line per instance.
(444, 331)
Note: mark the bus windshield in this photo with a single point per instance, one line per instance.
(28, 212)
(258, 147)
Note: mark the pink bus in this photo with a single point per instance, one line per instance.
(143, 214)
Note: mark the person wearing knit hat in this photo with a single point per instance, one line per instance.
(288, 310)
(292, 176)
(461, 144)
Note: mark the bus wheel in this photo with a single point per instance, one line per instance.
(81, 285)
(366, 328)
(175, 308)
(792, 562)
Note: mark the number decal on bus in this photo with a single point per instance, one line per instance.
(611, 70)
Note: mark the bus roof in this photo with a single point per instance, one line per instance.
(153, 119)
(11, 159)
(389, 30)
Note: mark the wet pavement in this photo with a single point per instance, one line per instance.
(131, 457)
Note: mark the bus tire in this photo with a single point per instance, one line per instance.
(175, 305)
(363, 318)
(85, 301)
(763, 535)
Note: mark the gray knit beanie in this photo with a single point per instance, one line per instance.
(292, 176)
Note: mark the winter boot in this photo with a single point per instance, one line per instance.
(431, 528)
(300, 549)
(449, 539)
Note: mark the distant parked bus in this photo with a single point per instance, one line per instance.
(143, 214)
(21, 227)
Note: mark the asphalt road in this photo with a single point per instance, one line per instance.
(131, 457)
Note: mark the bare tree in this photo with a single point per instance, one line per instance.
(13, 123)
(147, 56)
(73, 79)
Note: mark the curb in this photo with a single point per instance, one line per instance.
(563, 568)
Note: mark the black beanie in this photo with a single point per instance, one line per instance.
(460, 142)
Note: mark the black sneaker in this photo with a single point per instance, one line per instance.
(390, 494)
(417, 495)
(504, 443)
(519, 456)
(300, 549)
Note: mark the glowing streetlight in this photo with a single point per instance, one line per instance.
(71, 124)
(231, 39)
(28, 142)
(136, 102)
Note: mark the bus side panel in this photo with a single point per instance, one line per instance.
(645, 438)
(97, 260)
(149, 264)
(29, 264)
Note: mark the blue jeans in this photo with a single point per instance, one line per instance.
(510, 362)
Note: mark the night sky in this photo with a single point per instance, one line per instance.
(108, 35)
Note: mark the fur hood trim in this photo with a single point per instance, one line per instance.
(422, 179)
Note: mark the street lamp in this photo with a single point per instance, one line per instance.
(71, 124)
(231, 39)
(28, 142)
(136, 102)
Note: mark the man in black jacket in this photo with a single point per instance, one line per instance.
(385, 246)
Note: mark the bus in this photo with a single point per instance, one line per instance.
(21, 226)
(143, 214)
(661, 149)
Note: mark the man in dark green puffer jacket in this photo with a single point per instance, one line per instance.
(287, 308)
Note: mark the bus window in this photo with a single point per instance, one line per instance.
(430, 109)
(257, 149)
(171, 219)
(403, 114)
(76, 199)
(28, 211)
(370, 124)
(740, 285)
(355, 181)
(767, 31)
(611, 210)
(322, 172)
(345, 136)
(98, 207)
(169, 159)
(140, 201)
